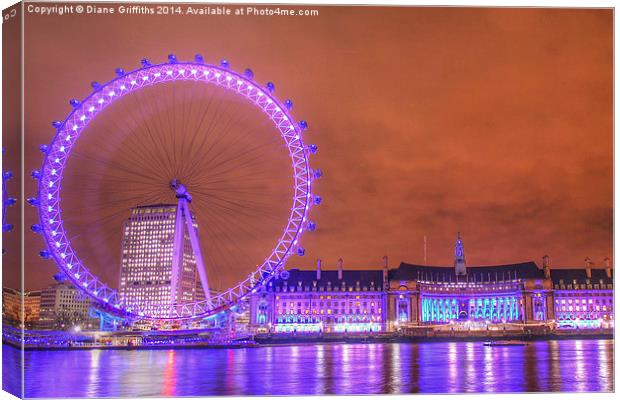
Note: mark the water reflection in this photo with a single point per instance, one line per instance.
(169, 377)
(453, 366)
(580, 371)
(471, 380)
(320, 369)
(11, 370)
(93, 373)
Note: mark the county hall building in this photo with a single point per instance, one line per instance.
(418, 295)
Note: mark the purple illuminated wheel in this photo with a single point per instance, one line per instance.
(7, 201)
(76, 182)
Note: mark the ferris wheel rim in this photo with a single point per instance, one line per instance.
(57, 153)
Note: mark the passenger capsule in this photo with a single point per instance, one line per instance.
(45, 254)
(36, 228)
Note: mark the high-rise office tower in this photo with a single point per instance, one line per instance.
(146, 279)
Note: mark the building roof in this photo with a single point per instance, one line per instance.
(525, 270)
(31, 293)
(409, 272)
(156, 205)
(350, 278)
(568, 275)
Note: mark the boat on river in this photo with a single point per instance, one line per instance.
(506, 343)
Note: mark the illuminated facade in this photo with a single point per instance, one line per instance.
(64, 307)
(322, 301)
(147, 258)
(515, 293)
(419, 295)
(12, 307)
(583, 297)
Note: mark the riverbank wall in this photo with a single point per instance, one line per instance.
(292, 339)
(396, 338)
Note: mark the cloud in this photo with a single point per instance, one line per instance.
(429, 121)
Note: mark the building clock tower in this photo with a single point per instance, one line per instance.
(459, 257)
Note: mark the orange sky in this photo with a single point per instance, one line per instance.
(493, 122)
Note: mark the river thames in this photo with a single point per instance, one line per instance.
(563, 365)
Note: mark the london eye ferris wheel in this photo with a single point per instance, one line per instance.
(214, 144)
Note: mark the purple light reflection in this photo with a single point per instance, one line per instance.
(324, 369)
